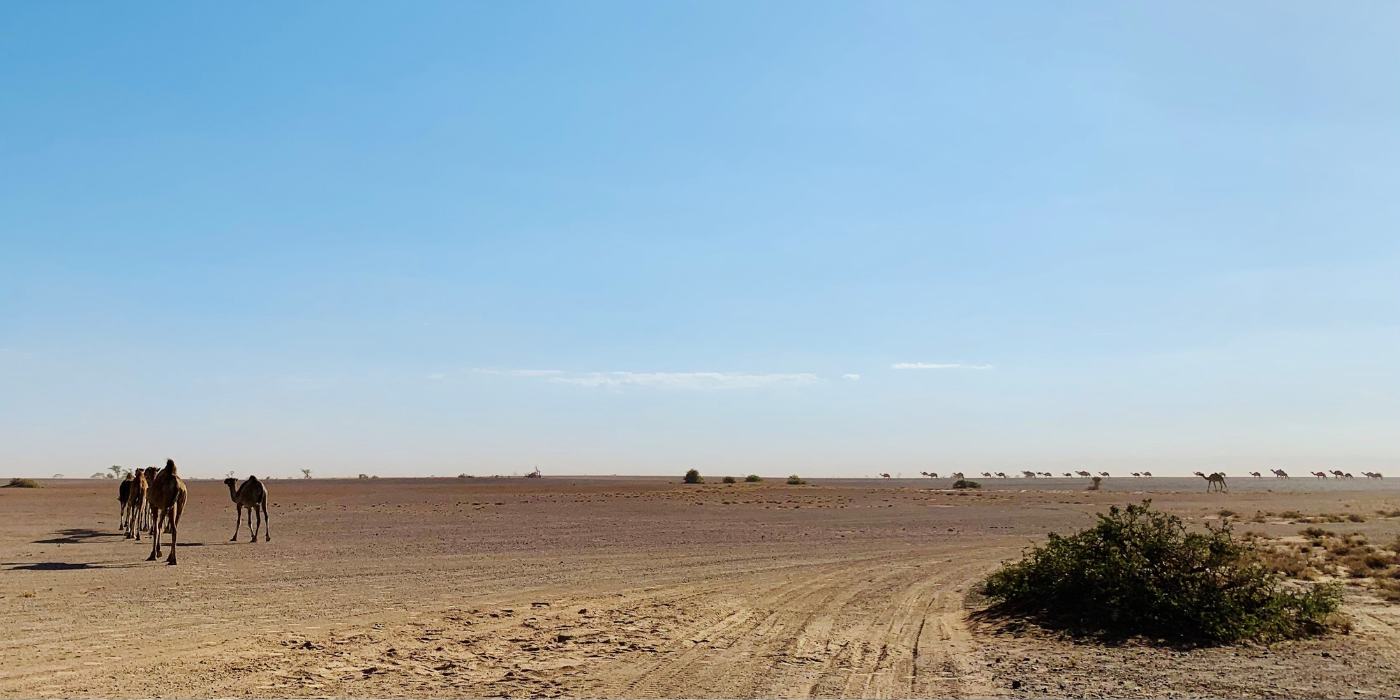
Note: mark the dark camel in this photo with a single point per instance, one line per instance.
(251, 495)
(167, 495)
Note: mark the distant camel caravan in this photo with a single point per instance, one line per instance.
(253, 496)
(1215, 481)
(167, 495)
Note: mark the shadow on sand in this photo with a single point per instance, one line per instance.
(61, 566)
(79, 536)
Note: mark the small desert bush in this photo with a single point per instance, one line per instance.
(1226, 513)
(753, 478)
(966, 484)
(1356, 518)
(1094, 485)
(1139, 572)
(22, 484)
(796, 480)
(693, 477)
(729, 480)
(1388, 513)
(1315, 533)
(1290, 515)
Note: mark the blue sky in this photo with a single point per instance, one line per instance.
(641, 237)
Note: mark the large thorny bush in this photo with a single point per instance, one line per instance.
(1139, 572)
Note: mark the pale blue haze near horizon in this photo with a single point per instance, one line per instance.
(634, 238)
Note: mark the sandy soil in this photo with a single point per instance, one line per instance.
(617, 587)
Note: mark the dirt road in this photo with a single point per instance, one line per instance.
(600, 587)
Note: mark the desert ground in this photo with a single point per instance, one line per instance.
(623, 587)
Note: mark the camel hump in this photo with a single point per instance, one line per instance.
(252, 478)
(170, 464)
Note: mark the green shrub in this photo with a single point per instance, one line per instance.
(729, 480)
(22, 484)
(796, 480)
(753, 478)
(1138, 572)
(693, 477)
(966, 484)
(1356, 518)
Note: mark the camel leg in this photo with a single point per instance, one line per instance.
(267, 523)
(137, 521)
(174, 528)
(237, 523)
(251, 511)
(155, 538)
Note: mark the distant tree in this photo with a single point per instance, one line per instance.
(364, 476)
(729, 480)
(100, 475)
(306, 473)
(693, 477)
(116, 470)
(753, 478)
(58, 476)
(796, 480)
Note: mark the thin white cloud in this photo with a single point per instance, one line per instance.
(852, 377)
(927, 365)
(666, 380)
(687, 380)
(520, 372)
(439, 375)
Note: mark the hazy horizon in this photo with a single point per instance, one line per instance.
(836, 239)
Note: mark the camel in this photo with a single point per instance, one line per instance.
(1255, 475)
(167, 495)
(146, 524)
(884, 476)
(1373, 475)
(124, 497)
(1083, 474)
(1147, 473)
(931, 475)
(1137, 473)
(1348, 475)
(1337, 474)
(986, 475)
(136, 503)
(251, 495)
(1047, 474)
(1103, 474)
(1320, 475)
(1279, 473)
(957, 475)
(1029, 475)
(1001, 475)
(1068, 475)
(1215, 481)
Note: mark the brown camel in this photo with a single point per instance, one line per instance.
(884, 476)
(146, 523)
(1215, 481)
(167, 495)
(1279, 473)
(136, 503)
(251, 495)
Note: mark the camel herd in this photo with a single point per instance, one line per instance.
(1214, 482)
(152, 502)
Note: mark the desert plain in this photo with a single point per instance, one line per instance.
(625, 587)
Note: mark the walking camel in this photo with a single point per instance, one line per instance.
(1001, 475)
(124, 497)
(1137, 473)
(1372, 475)
(1215, 481)
(167, 495)
(1337, 474)
(884, 476)
(251, 495)
(1320, 475)
(1083, 474)
(136, 503)
(1256, 475)
(931, 475)
(1279, 473)
(1147, 473)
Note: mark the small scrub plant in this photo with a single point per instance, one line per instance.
(729, 480)
(966, 484)
(1226, 513)
(753, 478)
(1140, 573)
(1096, 483)
(22, 484)
(796, 480)
(693, 477)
